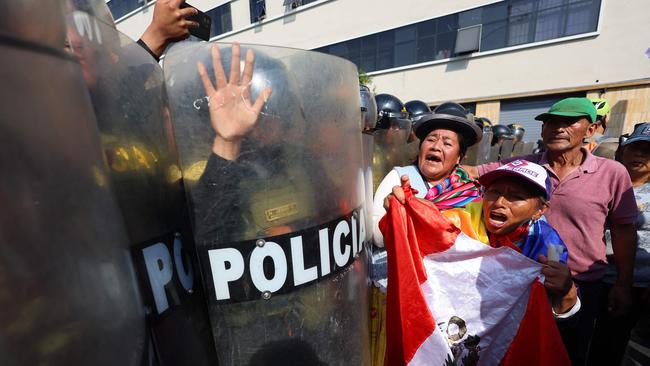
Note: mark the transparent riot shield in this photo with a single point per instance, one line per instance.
(67, 293)
(528, 148)
(471, 157)
(484, 145)
(517, 148)
(411, 150)
(271, 152)
(494, 153)
(127, 92)
(506, 148)
(390, 149)
(368, 121)
(607, 148)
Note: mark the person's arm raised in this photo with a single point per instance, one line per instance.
(232, 113)
(169, 24)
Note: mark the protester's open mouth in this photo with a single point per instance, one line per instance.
(497, 219)
(433, 158)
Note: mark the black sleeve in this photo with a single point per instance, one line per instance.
(217, 202)
(146, 48)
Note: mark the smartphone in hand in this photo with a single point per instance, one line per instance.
(205, 22)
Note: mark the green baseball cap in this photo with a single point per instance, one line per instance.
(571, 107)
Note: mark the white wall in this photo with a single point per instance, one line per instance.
(615, 54)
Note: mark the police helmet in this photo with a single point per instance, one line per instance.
(499, 132)
(368, 108)
(388, 106)
(517, 130)
(483, 122)
(452, 116)
(416, 109)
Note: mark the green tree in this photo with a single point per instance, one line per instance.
(365, 79)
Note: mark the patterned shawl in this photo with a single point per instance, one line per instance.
(455, 191)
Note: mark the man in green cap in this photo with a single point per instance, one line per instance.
(587, 192)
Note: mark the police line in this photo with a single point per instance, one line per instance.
(257, 269)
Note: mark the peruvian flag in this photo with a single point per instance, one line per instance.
(453, 300)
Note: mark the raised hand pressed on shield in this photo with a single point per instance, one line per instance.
(232, 113)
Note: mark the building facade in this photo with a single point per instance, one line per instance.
(506, 60)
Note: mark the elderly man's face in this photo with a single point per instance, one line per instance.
(566, 133)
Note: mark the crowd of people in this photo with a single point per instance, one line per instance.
(582, 216)
(593, 206)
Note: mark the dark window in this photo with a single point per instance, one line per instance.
(221, 20)
(470, 18)
(550, 19)
(426, 48)
(385, 45)
(505, 23)
(405, 45)
(520, 15)
(368, 53)
(495, 26)
(445, 43)
(582, 16)
(258, 10)
(120, 8)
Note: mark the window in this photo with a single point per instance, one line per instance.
(495, 26)
(368, 53)
(426, 42)
(520, 14)
(582, 16)
(405, 46)
(385, 45)
(292, 4)
(503, 24)
(258, 10)
(549, 20)
(221, 20)
(120, 8)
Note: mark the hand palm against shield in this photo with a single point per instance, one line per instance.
(232, 113)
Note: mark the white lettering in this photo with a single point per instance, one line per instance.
(324, 243)
(341, 257)
(220, 275)
(185, 275)
(159, 270)
(275, 252)
(300, 274)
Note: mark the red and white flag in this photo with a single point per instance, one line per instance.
(453, 300)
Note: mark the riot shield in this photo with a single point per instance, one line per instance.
(607, 148)
(278, 219)
(518, 148)
(506, 148)
(369, 119)
(494, 153)
(67, 289)
(126, 88)
(411, 150)
(471, 157)
(484, 145)
(528, 148)
(390, 149)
